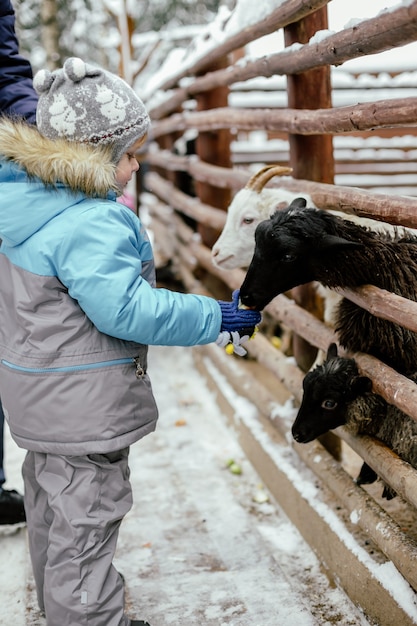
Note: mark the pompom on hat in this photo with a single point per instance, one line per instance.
(87, 104)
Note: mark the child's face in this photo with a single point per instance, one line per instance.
(128, 164)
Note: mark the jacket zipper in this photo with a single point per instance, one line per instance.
(140, 372)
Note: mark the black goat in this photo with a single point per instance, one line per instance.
(298, 245)
(335, 394)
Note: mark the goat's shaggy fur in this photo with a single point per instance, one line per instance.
(299, 245)
(335, 394)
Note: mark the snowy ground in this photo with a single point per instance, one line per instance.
(202, 545)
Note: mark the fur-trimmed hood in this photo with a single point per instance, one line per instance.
(33, 169)
(80, 167)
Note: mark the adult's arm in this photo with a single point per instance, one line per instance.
(17, 95)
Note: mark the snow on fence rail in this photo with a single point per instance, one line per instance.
(197, 98)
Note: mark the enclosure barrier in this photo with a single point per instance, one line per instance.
(187, 221)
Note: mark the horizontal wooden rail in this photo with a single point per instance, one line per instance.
(382, 303)
(395, 112)
(401, 476)
(400, 210)
(200, 170)
(190, 206)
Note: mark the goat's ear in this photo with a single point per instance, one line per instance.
(281, 205)
(332, 242)
(362, 384)
(331, 351)
(298, 203)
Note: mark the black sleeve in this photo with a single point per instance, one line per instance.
(17, 95)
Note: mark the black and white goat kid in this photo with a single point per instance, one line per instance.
(298, 245)
(335, 394)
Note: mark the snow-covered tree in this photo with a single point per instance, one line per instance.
(51, 30)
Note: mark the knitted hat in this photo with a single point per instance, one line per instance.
(86, 104)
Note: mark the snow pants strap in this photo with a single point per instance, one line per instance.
(74, 508)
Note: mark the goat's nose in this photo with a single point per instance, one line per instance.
(295, 435)
(215, 252)
(298, 433)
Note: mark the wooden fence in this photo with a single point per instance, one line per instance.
(313, 137)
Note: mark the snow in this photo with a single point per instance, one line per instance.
(320, 36)
(201, 544)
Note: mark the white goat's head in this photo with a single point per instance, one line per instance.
(251, 205)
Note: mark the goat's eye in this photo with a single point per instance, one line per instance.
(288, 258)
(329, 405)
(248, 220)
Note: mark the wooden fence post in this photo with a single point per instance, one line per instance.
(311, 157)
(213, 146)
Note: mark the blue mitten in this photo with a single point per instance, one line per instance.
(238, 324)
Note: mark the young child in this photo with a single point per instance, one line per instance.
(79, 306)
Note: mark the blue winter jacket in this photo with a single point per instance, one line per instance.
(77, 301)
(17, 95)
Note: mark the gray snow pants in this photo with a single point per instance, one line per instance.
(74, 508)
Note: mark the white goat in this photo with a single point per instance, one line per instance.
(251, 205)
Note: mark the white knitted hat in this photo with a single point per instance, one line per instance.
(86, 104)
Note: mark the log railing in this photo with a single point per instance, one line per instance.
(381, 33)
(396, 112)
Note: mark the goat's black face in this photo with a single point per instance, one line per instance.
(280, 262)
(293, 247)
(322, 409)
(329, 391)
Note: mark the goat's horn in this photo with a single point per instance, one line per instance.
(258, 181)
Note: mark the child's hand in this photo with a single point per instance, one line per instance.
(238, 324)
